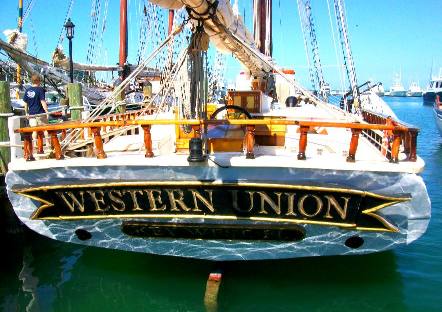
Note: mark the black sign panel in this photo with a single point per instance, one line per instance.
(227, 201)
(291, 232)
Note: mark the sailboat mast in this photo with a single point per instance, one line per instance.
(262, 25)
(123, 35)
(20, 28)
(171, 16)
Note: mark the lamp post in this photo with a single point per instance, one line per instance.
(70, 34)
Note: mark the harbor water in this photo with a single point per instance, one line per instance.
(39, 274)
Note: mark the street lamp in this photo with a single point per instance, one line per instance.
(70, 34)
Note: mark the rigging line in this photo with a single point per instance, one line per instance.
(348, 59)
(305, 92)
(303, 21)
(68, 14)
(103, 29)
(72, 136)
(95, 15)
(34, 40)
(338, 61)
(28, 10)
(169, 85)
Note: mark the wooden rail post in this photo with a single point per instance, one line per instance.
(395, 146)
(56, 144)
(99, 151)
(353, 144)
(303, 142)
(406, 140)
(63, 134)
(27, 147)
(250, 141)
(40, 135)
(413, 143)
(147, 140)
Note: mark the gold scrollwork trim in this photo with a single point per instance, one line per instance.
(212, 184)
(370, 212)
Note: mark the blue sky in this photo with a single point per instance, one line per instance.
(386, 36)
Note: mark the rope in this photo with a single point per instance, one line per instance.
(28, 10)
(68, 14)
(109, 100)
(307, 23)
(303, 22)
(272, 66)
(338, 62)
(34, 40)
(348, 58)
(95, 15)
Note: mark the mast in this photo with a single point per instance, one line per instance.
(171, 16)
(262, 25)
(123, 36)
(20, 28)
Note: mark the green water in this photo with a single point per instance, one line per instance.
(38, 274)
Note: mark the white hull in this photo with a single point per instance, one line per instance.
(398, 93)
(415, 94)
(410, 217)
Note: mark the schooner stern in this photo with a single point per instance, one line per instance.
(248, 179)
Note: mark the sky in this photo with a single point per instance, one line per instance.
(387, 37)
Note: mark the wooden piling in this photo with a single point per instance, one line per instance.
(9, 223)
(212, 289)
(75, 97)
(147, 90)
(5, 111)
(120, 98)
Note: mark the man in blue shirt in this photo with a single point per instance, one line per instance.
(35, 98)
(36, 104)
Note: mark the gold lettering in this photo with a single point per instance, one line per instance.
(97, 201)
(133, 195)
(174, 201)
(342, 211)
(75, 202)
(266, 199)
(207, 202)
(318, 205)
(235, 200)
(290, 204)
(153, 199)
(117, 202)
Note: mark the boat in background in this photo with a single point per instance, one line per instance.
(414, 90)
(433, 89)
(397, 89)
(378, 89)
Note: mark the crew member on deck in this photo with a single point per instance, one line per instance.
(35, 102)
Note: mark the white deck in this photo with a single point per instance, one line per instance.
(322, 153)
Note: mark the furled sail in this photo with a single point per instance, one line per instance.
(224, 29)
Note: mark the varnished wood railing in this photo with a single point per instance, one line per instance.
(408, 137)
(399, 131)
